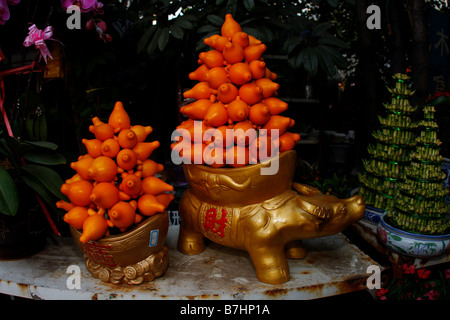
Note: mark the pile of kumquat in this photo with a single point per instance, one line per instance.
(115, 184)
(235, 91)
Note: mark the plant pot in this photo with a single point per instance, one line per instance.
(373, 215)
(133, 257)
(412, 244)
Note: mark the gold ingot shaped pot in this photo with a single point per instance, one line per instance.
(266, 215)
(132, 257)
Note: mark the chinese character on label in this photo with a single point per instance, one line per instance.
(154, 234)
(211, 221)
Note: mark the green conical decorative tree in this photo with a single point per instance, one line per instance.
(390, 154)
(420, 206)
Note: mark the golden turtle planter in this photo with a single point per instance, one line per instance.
(266, 215)
(133, 257)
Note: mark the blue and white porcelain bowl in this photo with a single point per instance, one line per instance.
(412, 244)
(372, 215)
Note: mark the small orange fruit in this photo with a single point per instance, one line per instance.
(141, 131)
(212, 58)
(237, 156)
(122, 215)
(119, 118)
(154, 185)
(244, 133)
(75, 177)
(94, 227)
(216, 115)
(110, 148)
(201, 90)
(268, 87)
(230, 26)
(221, 139)
(254, 52)
(126, 159)
(103, 169)
(76, 216)
(93, 147)
(240, 38)
(148, 205)
(61, 204)
(239, 73)
(150, 168)
(105, 195)
(78, 192)
(238, 110)
(165, 199)
(127, 138)
(216, 76)
(82, 166)
(278, 122)
(143, 150)
(288, 141)
(257, 68)
(199, 73)
(250, 93)
(275, 105)
(131, 185)
(102, 131)
(219, 42)
(227, 92)
(259, 114)
(197, 109)
(233, 53)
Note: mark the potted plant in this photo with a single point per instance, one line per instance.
(116, 206)
(28, 187)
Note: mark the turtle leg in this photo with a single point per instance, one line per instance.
(270, 264)
(295, 250)
(190, 239)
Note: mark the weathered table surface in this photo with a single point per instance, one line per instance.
(333, 266)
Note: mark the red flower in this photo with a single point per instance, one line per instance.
(381, 292)
(447, 273)
(423, 273)
(408, 269)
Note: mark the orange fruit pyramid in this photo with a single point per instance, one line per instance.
(110, 186)
(235, 89)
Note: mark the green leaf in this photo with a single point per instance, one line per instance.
(9, 197)
(333, 3)
(43, 144)
(321, 28)
(143, 41)
(333, 41)
(41, 191)
(310, 61)
(184, 23)
(50, 159)
(176, 31)
(249, 5)
(49, 178)
(215, 20)
(207, 28)
(326, 61)
(163, 39)
(396, 238)
(154, 42)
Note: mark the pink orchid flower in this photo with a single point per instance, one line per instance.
(4, 9)
(85, 5)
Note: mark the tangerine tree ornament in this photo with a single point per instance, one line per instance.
(234, 88)
(232, 198)
(112, 176)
